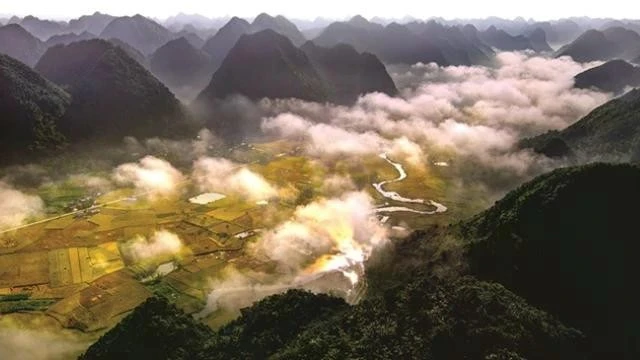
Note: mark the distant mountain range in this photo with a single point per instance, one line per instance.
(138, 31)
(42, 29)
(219, 45)
(18, 43)
(409, 43)
(611, 43)
(68, 38)
(417, 42)
(610, 132)
(502, 40)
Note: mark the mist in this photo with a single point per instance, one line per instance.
(328, 238)
(160, 244)
(471, 116)
(222, 175)
(150, 176)
(16, 206)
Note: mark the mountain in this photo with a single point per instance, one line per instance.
(612, 43)
(360, 22)
(591, 45)
(138, 31)
(203, 34)
(134, 53)
(219, 45)
(611, 131)
(458, 47)
(68, 38)
(113, 95)
(18, 43)
(627, 40)
(279, 24)
(502, 40)
(349, 73)
(179, 20)
(266, 64)
(538, 40)
(181, 67)
(263, 64)
(613, 76)
(567, 243)
(415, 42)
(636, 60)
(31, 107)
(94, 23)
(193, 38)
(42, 29)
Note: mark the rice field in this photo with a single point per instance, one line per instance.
(72, 267)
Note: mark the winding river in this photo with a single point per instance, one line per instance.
(392, 195)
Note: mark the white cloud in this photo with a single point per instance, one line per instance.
(222, 175)
(16, 206)
(151, 175)
(161, 244)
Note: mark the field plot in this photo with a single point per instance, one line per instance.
(75, 265)
(100, 304)
(76, 260)
(24, 269)
(232, 212)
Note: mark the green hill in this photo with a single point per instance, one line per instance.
(558, 250)
(566, 242)
(31, 107)
(113, 95)
(155, 330)
(611, 131)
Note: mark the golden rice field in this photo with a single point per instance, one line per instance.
(75, 268)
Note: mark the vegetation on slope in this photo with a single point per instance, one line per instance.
(611, 132)
(497, 286)
(31, 108)
(113, 95)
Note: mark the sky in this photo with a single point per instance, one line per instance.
(334, 9)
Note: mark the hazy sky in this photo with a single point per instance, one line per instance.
(538, 9)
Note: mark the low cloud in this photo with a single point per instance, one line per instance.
(16, 207)
(161, 244)
(473, 115)
(326, 238)
(91, 183)
(223, 176)
(152, 176)
(336, 185)
(19, 344)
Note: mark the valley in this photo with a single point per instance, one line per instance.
(352, 187)
(72, 266)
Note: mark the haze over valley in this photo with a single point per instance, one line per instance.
(350, 187)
